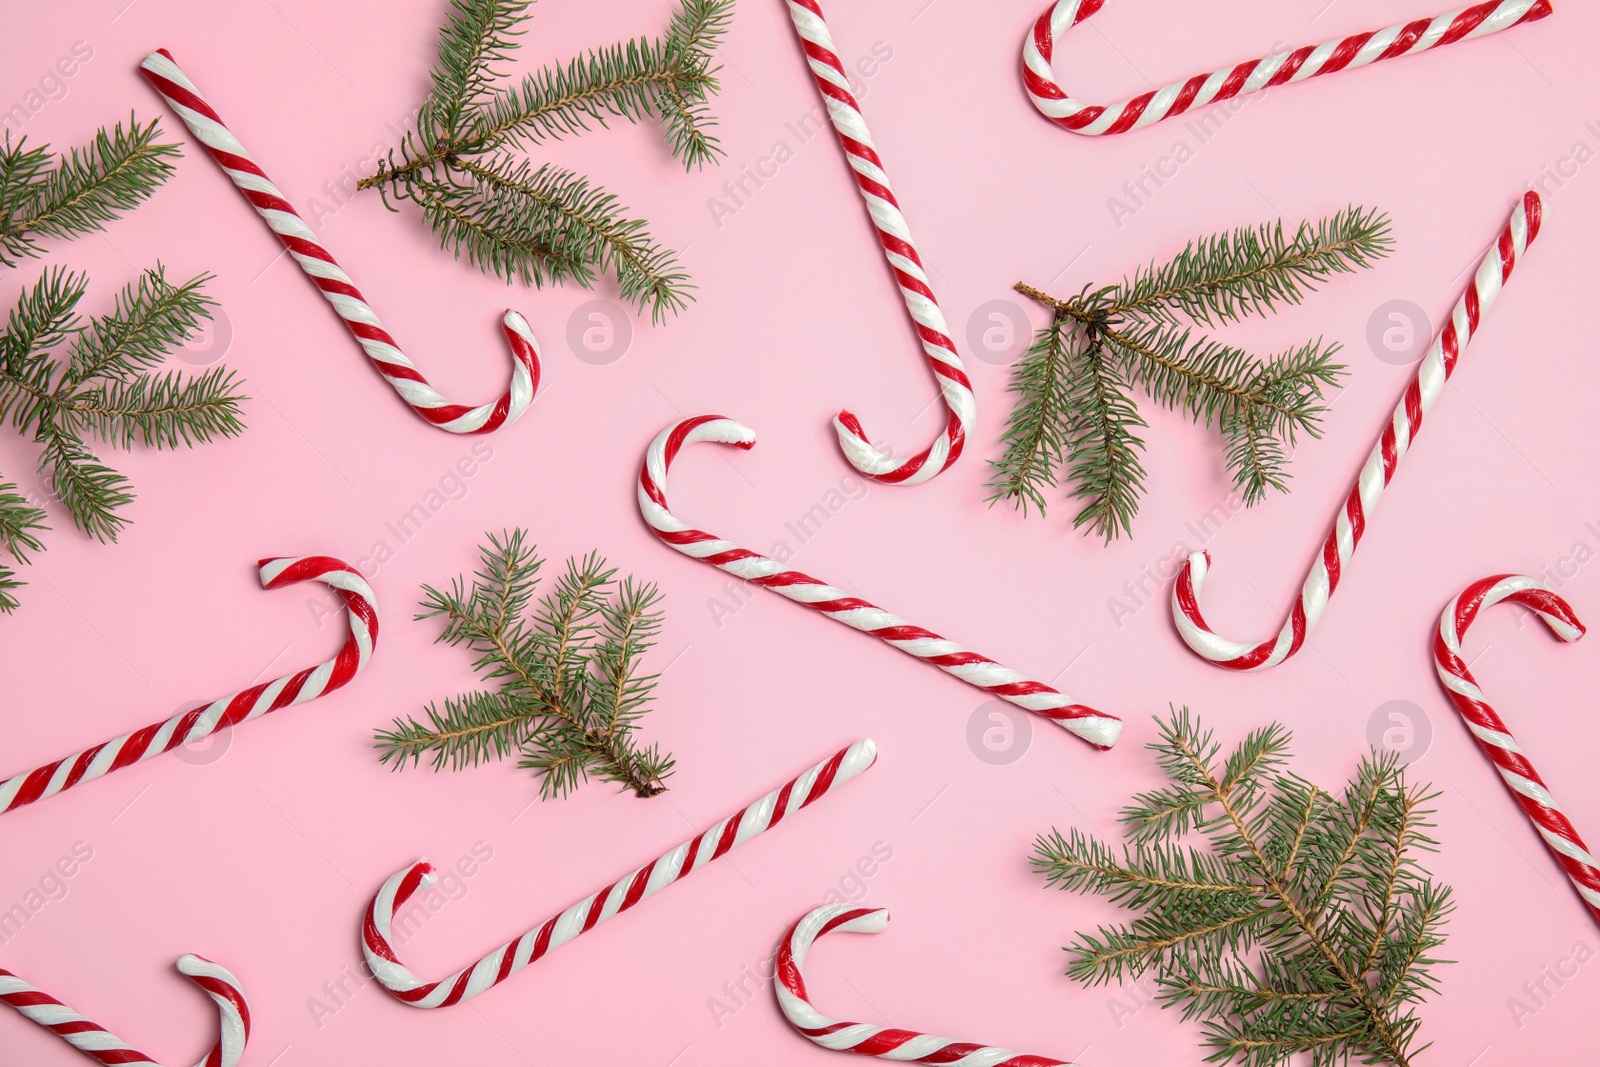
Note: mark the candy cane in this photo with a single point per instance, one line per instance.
(864, 1039)
(1391, 447)
(228, 711)
(1095, 727)
(894, 234)
(161, 71)
(1528, 789)
(1203, 90)
(99, 1044)
(618, 897)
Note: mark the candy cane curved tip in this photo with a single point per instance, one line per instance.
(217, 982)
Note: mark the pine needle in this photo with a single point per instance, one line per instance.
(1074, 406)
(570, 691)
(1301, 922)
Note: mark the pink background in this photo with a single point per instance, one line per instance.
(264, 858)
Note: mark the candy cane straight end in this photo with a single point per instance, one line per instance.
(1205, 90)
(318, 264)
(1094, 726)
(98, 1043)
(1516, 770)
(890, 1043)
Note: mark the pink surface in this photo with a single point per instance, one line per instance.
(264, 858)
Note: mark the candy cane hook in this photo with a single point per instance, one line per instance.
(894, 234)
(864, 1039)
(162, 72)
(1391, 447)
(618, 897)
(224, 712)
(1095, 727)
(1527, 788)
(1284, 68)
(99, 1044)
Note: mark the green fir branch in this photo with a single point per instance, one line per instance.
(1301, 922)
(44, 196)
(569, 690)
(20, 526)
(531, 223)
(1074, 406)
(108, 386)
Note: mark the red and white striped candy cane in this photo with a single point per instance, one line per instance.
(586, 914)
(894, 234)
(1527, 788)
(864, 1039)
(99, 1044)
(228, 711)
(1391, 447)
(1284, 68)
(1095, 727)
(162, 72)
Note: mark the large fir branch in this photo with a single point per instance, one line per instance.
(80, 192)
(1034, 439)
(1308, 928)
(1101, 446)
(1252, 270)
(151, 317)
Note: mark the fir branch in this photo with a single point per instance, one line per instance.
(541, 223)
(1074, 406)
(20, 526)
(570, 691)
(1306, 926)
(47, 196)
(108, 386)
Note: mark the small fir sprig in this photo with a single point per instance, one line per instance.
(1074, 406)
(570, 689)
(1306, 927)
(543, 223)
(44, 195)
(107, 390)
